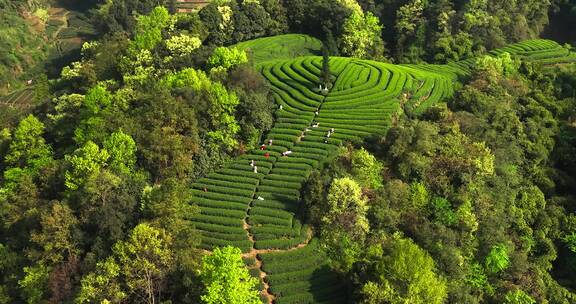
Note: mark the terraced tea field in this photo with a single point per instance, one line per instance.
(19, 99)
(253, 203)
(281, 47)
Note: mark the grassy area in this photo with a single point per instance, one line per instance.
(22, 47)
(281, 47)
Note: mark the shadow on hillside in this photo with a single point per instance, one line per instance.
(292, 82)
(327, 286)
(75, 5)
(314, 52)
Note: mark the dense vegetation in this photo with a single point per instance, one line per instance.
(185, 158)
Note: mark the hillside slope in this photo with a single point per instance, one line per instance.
(256, 209)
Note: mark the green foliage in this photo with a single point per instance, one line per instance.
(222, 114)
(145, 259)
(342, 249)
(85, 162)
(406, 274)
(443, 211)
(57, 237)
(478, 279)
(496, 67)
(183, 45)
(518, 297)
(366, 169)
(149, 28)
(347, 206)
(226, 278)
(419, 195)
(101, 286)
(570, 241)
(138, 266)
(122, 150)
(34, 283)
(225, 58)
(361, 36)
(28, 148)
(96, 102)
(497, 259)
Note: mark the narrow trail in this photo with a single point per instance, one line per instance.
(247, 227)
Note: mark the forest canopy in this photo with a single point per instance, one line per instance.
(288, 151)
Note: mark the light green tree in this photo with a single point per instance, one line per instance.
(518, 296)
(570, 241)
(96, 101)
(85, 162)
(138, 266)
(226, 278)
(497, 259)
(28, 148)
(362, 36)
(407, 275)
(149, 28)
(419, 195)
(189, 77)
(35, 282)
(351, 5)
(222, 108)
(182, 45)
(102, 285)
(366, 169)
(224, 58)
(223, 104)
(145, 260)
(122, 150)
(495, 68)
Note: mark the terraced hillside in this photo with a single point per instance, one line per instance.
(253, 203)
(20, 99)
(281, 47)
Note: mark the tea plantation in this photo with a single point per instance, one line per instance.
(253, 203)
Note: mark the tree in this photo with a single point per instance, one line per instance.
(138, 266)
(224, 126)
(35, 282)
(362, 36)
(122, 150)
(366, 169)
(149, 28)
(497, 259)
(92, 124)
(518, 296)
(102, 285)
(226, 278)
(251, 21)
(57, 237)
(410, 26)
(85, 162)
(182, 45)
(145, 260)
(347, 207)
(326, 77)
(28, 148)
(225, 58)
(404, 274)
